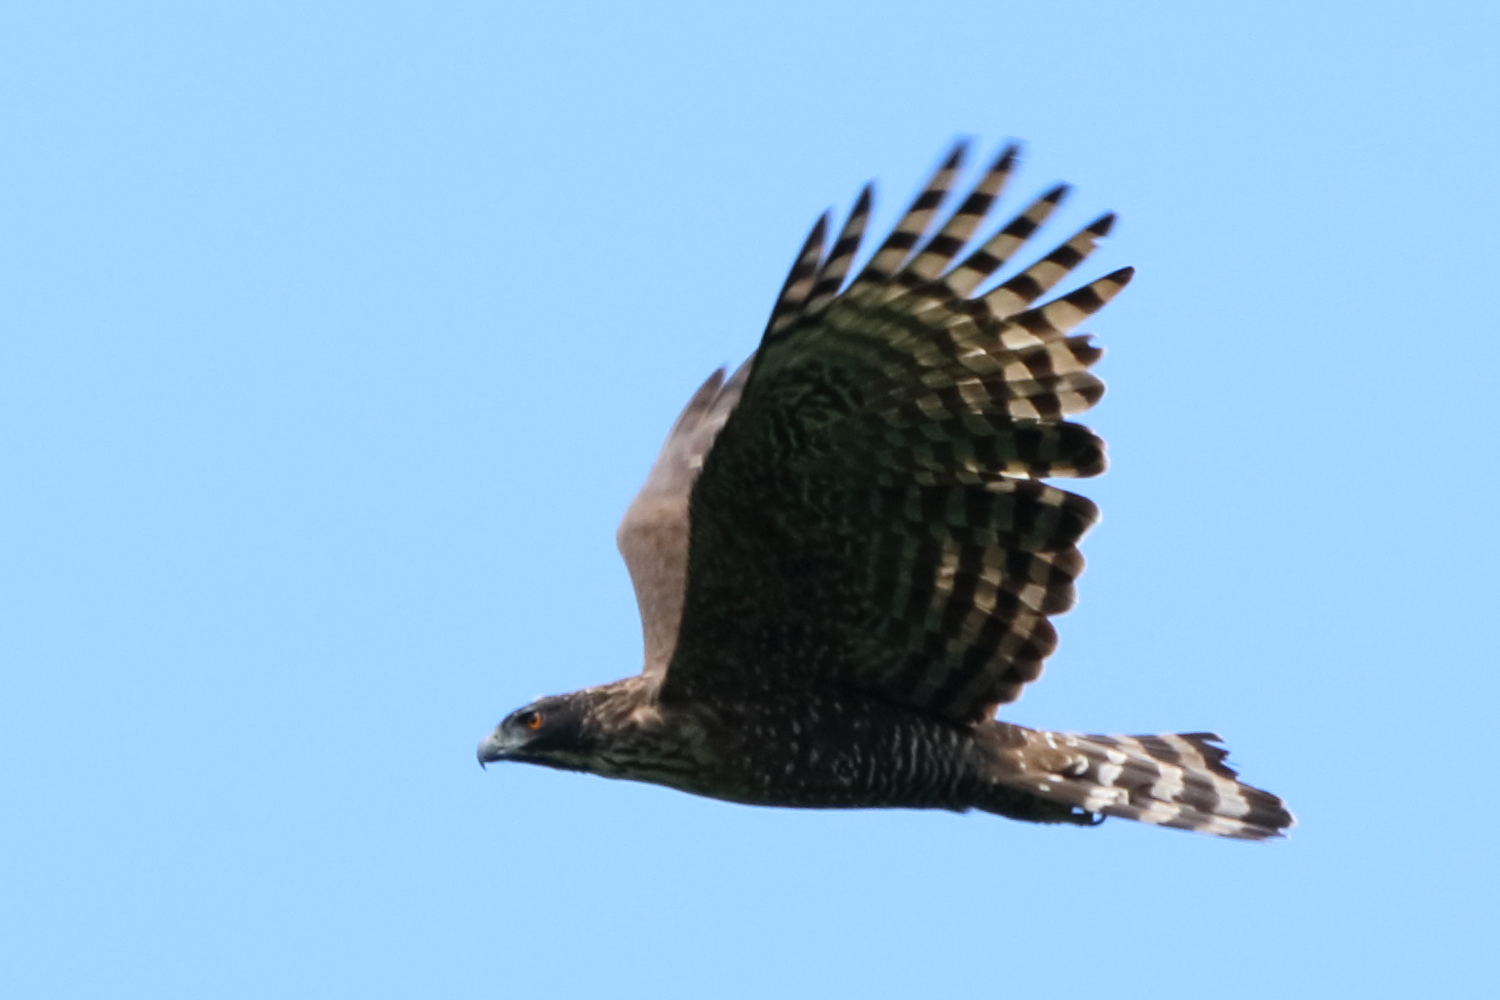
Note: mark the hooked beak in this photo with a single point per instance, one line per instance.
(494, 747)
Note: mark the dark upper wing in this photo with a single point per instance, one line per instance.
(653, 534)
(870, 515)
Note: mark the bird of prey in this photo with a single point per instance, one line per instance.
(845, 556)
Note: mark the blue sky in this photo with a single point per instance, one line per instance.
(334, 338)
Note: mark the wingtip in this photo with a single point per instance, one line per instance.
(956, 153)
(1007, 157)
(865, 200)
(819, 229)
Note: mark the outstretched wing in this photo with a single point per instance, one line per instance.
(871, 515)
(653, 534)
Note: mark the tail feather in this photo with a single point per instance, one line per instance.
(1178, 780)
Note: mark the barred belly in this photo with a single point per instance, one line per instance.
(811, 751)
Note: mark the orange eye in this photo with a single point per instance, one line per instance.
(534, 720)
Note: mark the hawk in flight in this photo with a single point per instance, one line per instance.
(846, 558)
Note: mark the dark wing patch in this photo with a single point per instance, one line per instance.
(870, 515)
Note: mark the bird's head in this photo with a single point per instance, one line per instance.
(550, 731)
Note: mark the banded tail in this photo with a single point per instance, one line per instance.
(1172, 779)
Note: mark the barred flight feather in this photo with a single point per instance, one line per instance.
(1037, 280)
(923, 445)
(942, 248)
(900, 246)
(831, 274)
(998, 249)
(800, 282)
(1055, 319)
